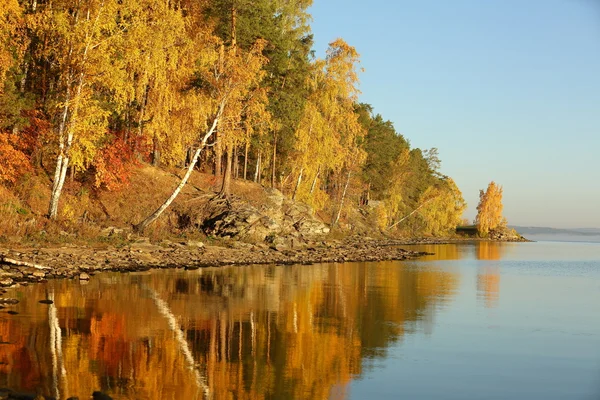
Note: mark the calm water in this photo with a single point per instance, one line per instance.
(481, 321)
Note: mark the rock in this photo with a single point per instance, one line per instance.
(84, 276)
(111, 231)
(194, 243)
(39, 274)
(6, 281)
(101, 396)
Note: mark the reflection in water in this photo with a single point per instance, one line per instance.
(250, 333)
(489, 250)
(488, 274)
(488, 277)
(488, 286)
(440, 252)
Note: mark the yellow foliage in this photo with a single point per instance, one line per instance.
(381, 216)
(329, 134)
(489, 209)
(10, 19)
(443, 208)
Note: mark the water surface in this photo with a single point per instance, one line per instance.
(475, 321)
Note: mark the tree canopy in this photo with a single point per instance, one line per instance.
(89, 89)
(489, 209)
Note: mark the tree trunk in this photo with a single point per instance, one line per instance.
(314, 183)
(63, 158)
(60, 164)
(24, 78)
(152, 217)
(256, 171)
(246, 159)
(236, 163)
(273, 164)
(413, 211)
(218, 157)
(140, 127)
(226, 186)
(337, 218)
(297, 183)
(155, 152)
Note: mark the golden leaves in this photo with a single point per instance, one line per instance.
(489, 209)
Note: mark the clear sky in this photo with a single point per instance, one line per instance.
(507, 90)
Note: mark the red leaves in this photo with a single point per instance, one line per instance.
(114, 164)
(13, 162)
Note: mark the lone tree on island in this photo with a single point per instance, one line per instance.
(489, 209)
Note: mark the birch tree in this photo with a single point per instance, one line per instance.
(228, 79)
(489, 209)
(82, 50)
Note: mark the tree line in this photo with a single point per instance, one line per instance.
(89, 88)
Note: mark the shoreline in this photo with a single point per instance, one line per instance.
(22, 266)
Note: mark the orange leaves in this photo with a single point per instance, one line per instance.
(13, 162)
(113, 165)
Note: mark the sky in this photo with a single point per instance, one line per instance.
(507, 90)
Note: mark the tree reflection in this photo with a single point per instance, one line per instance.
(252, 332)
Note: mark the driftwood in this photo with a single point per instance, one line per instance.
(10, 261)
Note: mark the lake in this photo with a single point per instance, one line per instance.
(474, 321)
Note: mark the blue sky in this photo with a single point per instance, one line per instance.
(507, 90)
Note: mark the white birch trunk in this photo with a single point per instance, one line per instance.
(256, 173)
(314, 182)
(337, 218)
(62, 162)
(152, 217)
(413, 211)
(298, 182)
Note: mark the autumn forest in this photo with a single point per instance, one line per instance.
(93, 90)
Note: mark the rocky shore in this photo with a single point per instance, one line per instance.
(29, 265)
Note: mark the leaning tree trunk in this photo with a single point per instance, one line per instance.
(314, 182)
(152, 217)
(298, 182)
(337, 218)
(411, 213)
